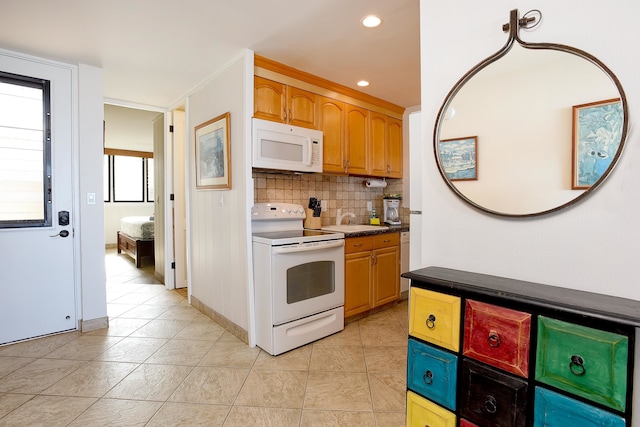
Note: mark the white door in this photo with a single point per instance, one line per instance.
(37, 289)
(179, 203)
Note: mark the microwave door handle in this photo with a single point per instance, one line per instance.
(309, 151)
(291, 249)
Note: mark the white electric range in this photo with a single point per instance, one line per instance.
(298, 278)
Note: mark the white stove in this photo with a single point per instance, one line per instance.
(298, 278)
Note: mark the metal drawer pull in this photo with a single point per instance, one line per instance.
(428, 377)
(494, 339)
(576, 366)
(431, 321)
(490, 405)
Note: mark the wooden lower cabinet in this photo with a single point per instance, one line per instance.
(372, 272)
(471, 337)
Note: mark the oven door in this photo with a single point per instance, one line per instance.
(307, 279)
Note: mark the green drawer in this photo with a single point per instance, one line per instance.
(584, 361)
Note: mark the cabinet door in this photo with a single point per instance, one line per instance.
(394, 148)
(435, 317)
(302, 109)
(331, 122)
(357, 283)
(584, 361)
(357, 136)
(421, 412)
(269, 100)
(554, 409)
(386, 275)
(489, 397)
(377, 144)
(432, 372)
(498, 336)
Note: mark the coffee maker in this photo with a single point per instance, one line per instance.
(391, 211)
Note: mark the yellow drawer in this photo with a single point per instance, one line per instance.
(421, 412)
(435, 317)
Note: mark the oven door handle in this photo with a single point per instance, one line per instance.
(292, 249)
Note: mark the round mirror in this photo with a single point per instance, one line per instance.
(532, 129)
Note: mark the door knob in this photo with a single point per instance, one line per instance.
(62, 233)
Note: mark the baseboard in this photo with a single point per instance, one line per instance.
(227, 324)
(94, 324)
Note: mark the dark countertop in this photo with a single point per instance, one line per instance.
(391, 229)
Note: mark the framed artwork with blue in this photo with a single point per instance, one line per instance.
(597, 132)
(459, 158)
(213, 154)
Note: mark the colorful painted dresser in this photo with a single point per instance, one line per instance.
(489, 351)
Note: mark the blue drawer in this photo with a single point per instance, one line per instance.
(553, 409)
(432, 373)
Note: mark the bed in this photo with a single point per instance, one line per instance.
(135, 237)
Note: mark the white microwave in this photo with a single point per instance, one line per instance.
(285, 147)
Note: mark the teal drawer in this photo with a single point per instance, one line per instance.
(553, 409)
(432, 373)
(583, 361)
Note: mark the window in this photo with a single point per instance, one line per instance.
(25, 152)
(128, 176)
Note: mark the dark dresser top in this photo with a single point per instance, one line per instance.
(600, 306)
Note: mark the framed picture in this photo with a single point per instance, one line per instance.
(213, 154)
(459, 158)
(597, 131)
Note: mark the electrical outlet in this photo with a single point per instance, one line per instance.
(323, 205)
(369, 206)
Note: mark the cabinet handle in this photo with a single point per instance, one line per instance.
(576, 366)
(284, 115)
(374, 259)
(490, 405)
(493, 340)
(431, 321)
(357, 245)
(428, 377)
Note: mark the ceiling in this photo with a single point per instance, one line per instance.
(154, 52)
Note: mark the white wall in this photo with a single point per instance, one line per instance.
(592, 246)
(218, 223)
(92, 269)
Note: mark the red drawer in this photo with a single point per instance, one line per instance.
(498, 336)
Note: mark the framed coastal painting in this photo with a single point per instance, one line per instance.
(459, 158)
(597, 132)
(213, 154)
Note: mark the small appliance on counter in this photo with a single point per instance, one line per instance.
(391, 211)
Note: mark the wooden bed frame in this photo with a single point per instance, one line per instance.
(135, 248)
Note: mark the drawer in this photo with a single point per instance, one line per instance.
(584, 361)
(489, 397)
(435, 317)
(358, 244)
(386, 240)
(421, 412)
(498, 336)
(553, 409)
(432, 372)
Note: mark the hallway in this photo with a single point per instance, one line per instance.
(163, 363)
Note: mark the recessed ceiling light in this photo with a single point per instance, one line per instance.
(371, 21)
(363, 83)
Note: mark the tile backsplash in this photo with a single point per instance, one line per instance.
(346, 192)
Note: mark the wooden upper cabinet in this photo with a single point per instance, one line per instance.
(394, 148)
(331, 118)
(269, 99)
(302, 109)
(357, 140)
(285, 104)
(378, 135)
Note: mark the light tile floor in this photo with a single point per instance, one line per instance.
(163, 363)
